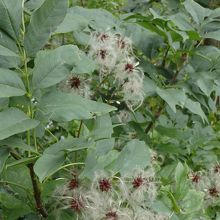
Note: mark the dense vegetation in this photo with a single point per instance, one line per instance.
(109, 110)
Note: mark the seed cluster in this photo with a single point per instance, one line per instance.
(114, 56)
(108, 197)
(208, 182)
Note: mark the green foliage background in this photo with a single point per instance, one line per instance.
(43, 41)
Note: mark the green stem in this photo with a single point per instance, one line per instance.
(68, 165)
(35, 183)
(65, 166)
(78, 134)
(52, 135)
(12, 183)
(80, 128)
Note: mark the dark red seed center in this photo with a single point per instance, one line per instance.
(214, 192)
(217, 169)
(104, 185)
(103, 54)
(74, 82)
(137, 182)
(129, 67)
(73, 184)
(111, 215)
(76, 205)
(103, 37)
(195, 178)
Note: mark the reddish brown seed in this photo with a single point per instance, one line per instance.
(74, 82)
(217, 169)
(195, 178)
(121, 44)
(129, 67)
(137, 182)
(214, 192)
(76, 204)
(103, 54)
(111, 215)
(104, 185)
(103, 37)
(73, 184)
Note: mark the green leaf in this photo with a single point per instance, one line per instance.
(6, 52)
(23, 161)
(135, 154)
(4, 153)
(10, 84)
(19, 175)
(48, 164)
(98, 19)
(8, 44)
(95, 162)
(195, 108)
(173, 97)
(4, 103)
(103, 146)
(33, 4)
(144, 39)
(141, 134)
(197, 12)
(14, 121)
(99, 157)
(182, 21)
(53, 66)
(13, 208)
(72, 22)
(43, 22)
(181, 180)
(206, 85)
(10, 17)
(66, 107)
(102, 127)
(149, 86)
(192, 201)
(54, 156)
(70, 144)
(213, 34)
(166, 131)
(16, 142)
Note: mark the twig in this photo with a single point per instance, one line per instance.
(165, 57)
(157, 115)
(82, 3)
(79, 130)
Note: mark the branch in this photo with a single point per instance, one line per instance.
(37, 192)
